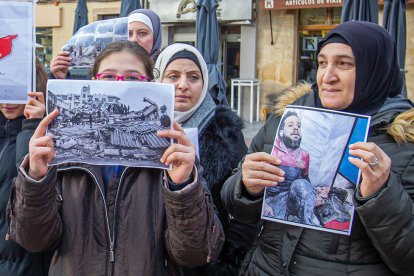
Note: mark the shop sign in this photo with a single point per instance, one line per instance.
(269, 4)
(302, 4)
(186, 10)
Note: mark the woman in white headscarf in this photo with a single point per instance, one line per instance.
(144, 27)
(220, 139)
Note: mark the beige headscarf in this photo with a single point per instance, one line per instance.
(161, 64)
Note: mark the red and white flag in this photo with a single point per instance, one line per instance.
(16, 50)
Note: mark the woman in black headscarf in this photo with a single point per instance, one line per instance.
(357, 72)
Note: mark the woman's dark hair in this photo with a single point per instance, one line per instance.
(41, 77)
(129, 47)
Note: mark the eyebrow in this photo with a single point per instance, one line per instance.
(111, 70)
(140, 29)
(179, 71)
(337, 56)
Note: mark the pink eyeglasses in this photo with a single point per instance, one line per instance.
(114, 77)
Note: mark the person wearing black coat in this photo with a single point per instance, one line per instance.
(221, 145)
(358, 73)
(17, 125)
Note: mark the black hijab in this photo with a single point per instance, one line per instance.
(378, 74)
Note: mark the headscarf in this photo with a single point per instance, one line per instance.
(201, 113)
(154, 23)
(378, 74)
(185, 55)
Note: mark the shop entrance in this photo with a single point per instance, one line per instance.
(307, 59)
(230, 55)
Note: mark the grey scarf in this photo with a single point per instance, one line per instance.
(202, 116)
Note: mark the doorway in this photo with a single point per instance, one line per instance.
(230, 55)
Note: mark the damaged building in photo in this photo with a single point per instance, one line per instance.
(99, 128)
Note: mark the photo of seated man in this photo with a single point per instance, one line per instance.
(295, 196)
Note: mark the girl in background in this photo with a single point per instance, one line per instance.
(17, 125)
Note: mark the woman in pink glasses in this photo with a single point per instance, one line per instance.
(109, 220)
(123, 61)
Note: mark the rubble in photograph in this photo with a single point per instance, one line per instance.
(99, 128)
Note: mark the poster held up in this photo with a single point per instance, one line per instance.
(86, 44)
(110, 123)
(16, 51)
(319, 185)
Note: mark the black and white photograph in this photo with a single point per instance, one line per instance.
(110, 123)
(86, 44)
(319, 179)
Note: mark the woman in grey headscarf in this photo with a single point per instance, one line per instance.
(220, 139)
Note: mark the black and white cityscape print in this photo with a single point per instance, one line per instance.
(110, 123)
(86, 44)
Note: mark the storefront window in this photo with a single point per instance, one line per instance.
(336, 15)
(313, 16)
(44, 45)
(314, 24)
(107, 16)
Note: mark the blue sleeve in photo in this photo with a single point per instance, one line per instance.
(347, 169)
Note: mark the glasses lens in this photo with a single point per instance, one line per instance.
(108, 77)
(132, 78)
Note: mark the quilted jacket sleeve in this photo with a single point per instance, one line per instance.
(389, 221)
(233, 193)
(194, 234)
(35, 221)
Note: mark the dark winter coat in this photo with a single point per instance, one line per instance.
(14, 141)
(134, 226)
(222, 146)
(381, 242)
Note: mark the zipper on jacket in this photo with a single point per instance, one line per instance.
(111, 243)
(111, 252)
(210, 236)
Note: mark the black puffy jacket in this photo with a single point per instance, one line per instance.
(382, 240)
(222, 147)
(14, 144)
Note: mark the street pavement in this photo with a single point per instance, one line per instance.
(250, 130)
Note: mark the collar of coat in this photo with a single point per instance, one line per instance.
(400, 125)
(10, 128)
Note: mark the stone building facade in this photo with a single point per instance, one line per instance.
(268, 46)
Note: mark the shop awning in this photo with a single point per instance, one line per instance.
(305, 4)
